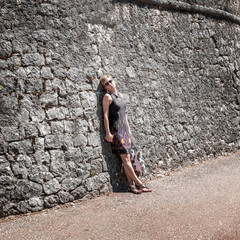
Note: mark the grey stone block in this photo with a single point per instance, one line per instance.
(67, 141)
(53, 142)
(3, 159)
(23, 116)
(31, 130)
(93, 139)
(46, 73)
(3, 64)
(81, 125)
(80, 141)
(74, 74)
(48, 9)
(49, 98)
(51, 201)
(42, 157)
(72, 167)
(70, 184)
(26, 189)
(42, 35)
(7, 181)
(51, 186)
(60, 72)
(59, 85)
(130, 72)
(5, 49)
(83, 170)
(73, 155)
(70, 86)
(32, 84)
(73, 101)
(44, 129)
(57, 113)
(57, 127)
(79, 192)
(97, 181)
(35, 204)
(88, 100)
(33, 59)
(21, 43)
(96, 166)
(23, 207)
(21, 147)
(9, 103)
(57, 166)
(10, 133)
(39, 144)
(40, 174)
(87, 153)
(69, 126)
(14, 62)
(65, 197)
(20, 170)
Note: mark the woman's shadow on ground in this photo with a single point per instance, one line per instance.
(113, 161)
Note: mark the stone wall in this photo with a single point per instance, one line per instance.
(231, 6)
(180, 74)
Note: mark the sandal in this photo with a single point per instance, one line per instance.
(144, 188)
(133, 189)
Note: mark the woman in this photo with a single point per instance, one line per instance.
(118, 131)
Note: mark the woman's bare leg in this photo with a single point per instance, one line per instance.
(130, 181)
(131, 175)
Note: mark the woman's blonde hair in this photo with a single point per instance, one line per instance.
(103, 79)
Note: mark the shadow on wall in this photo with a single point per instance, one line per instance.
(113, 162)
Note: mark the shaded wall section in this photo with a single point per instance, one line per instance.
(180, 74)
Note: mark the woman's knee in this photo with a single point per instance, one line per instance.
(125, 158)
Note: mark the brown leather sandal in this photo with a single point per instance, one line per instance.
(133, 189)
(144, 188)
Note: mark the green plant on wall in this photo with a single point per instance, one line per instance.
(0, 87)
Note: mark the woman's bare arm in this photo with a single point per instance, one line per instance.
(107, 100)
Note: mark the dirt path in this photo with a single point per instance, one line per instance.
(201, 202)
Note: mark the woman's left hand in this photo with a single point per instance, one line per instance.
(109, 137)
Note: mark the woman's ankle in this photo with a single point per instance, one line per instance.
(139, 184)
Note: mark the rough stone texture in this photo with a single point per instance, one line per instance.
(232, 6)
(180, 73)
(196, 8)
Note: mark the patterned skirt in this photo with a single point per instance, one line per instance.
(122, 143)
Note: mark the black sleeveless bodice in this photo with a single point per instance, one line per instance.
(118, 125)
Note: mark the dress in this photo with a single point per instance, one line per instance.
(118, 125)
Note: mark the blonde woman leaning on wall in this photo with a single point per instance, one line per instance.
(118, 131)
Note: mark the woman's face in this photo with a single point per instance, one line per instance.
(109, 84)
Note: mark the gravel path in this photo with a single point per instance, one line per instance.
(200, 202)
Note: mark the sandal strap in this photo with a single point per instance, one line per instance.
(133, 189)
(144, 188)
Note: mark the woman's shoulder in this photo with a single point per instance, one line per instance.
(107, 97)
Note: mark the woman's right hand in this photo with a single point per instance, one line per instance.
(109, 137)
